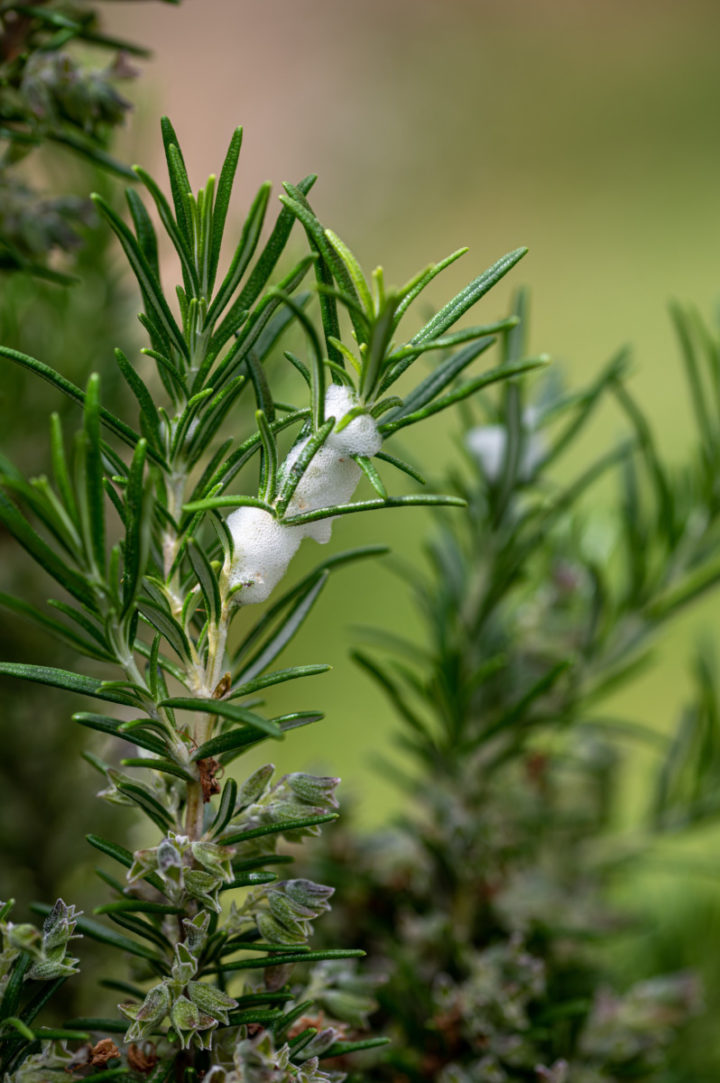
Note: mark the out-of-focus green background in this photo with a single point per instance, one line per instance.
(588, 131)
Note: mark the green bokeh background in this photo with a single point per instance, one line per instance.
(587, 131)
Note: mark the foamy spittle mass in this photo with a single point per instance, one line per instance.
(263, 547)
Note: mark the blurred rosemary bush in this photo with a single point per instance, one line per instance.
(483, 910)
(154, 578)
(53, 98)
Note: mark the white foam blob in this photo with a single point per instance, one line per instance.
(360, 436)
(331, 478)
(263, 548)
(487, 443)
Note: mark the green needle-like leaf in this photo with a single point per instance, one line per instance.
(71, 390)
(61, 678)
(180, 243)
(354, 271)
(207, 580)
(279, 828)
(56, 628)
(225, 710)
(419, 500)
(137, 526)
(95, 492)
(111, 726)
(123, 857)
(144, 230)
(226, 808)
(453, 310)
(470, 387)
(149, 285)
(278, 677)
(270, 457)
(244, 252)
(222, 201)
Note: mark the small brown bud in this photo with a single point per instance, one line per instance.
(104, 1051)
(207, 770)
(223, 686)
(143, 1058)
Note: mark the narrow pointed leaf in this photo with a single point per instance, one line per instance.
(123, 857)
(249, 238)
(226, 807)
(95, 492)
(278, 677)
(61, 678)
(165, 767)
(292, 478)
(60, 466)
(225, 710)
(281, 959)
(401, 465)
(207, 580)
(416, 285)
(159, 309)
(177, 173)
(272, 251)
(372, 475)
(137, 526)
(464, 300)
(439, 379)
(144, 230)
(470, 387)
(417, 500)
(279, 828)
(179, 241)
(111, 726)
(166, 624)
(293, 618)
(342, 1049)
(222, 201)
(142, 394)
(353, 269)
(149, 805)
(286, 722)
(56, 628)
(292, 607)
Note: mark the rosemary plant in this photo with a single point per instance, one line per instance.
(50, 97)
(485, 901)
(154, 577)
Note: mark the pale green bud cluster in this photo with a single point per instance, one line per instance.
(194, 1008)
(256, 1060)
(175, 860)
(47, 947)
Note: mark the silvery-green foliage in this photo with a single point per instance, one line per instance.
(131, 526)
